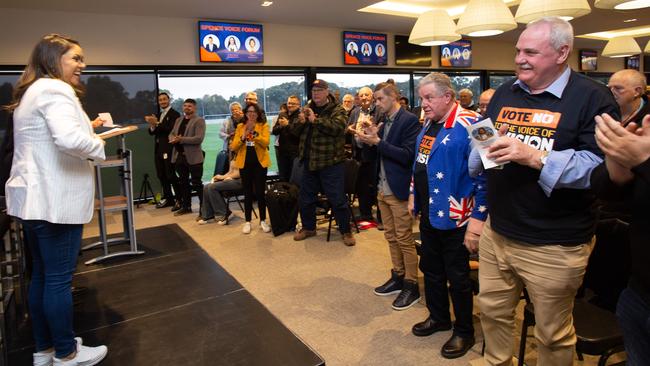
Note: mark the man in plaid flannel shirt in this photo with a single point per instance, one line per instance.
(321, 129)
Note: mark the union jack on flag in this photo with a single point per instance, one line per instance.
(460, 211)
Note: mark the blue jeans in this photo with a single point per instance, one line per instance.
(54, 248)
(331, 180)
(634, 318)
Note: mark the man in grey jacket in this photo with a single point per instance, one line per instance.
(187, 157)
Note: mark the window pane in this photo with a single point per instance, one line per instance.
(7, 82)
(214, 94)
(497, 79)
(351, 83)
(458, 82)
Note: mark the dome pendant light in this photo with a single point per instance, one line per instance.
(483, 18)
(434, 28)
(621, 47)
(530, 10)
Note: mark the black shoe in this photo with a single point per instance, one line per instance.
(456, 346)
(428, 327)
(393, 286)
(380, 226)
(177, 206)
(409, 296)
(165, 203)
(182, 211)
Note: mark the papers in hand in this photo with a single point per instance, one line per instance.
(108, 120)
(483, 134)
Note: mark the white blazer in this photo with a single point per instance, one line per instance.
(51, 177)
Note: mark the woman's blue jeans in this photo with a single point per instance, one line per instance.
(54, 249)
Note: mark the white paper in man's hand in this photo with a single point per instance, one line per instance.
(483, 134)
(108, 120)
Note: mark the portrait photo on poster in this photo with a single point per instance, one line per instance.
(252, 44)
(232, 44)
(211, 43)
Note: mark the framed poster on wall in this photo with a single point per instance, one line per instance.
(364, 48)
(230, 42)
(588, 60)
(456, 54)
(633, 62)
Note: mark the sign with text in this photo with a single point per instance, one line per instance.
(364, 48)
(230, 42)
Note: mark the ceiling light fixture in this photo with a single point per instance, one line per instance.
(621, 47)
(530, 10)
(267, 3)
(630, 20)
(622, 4)
(434, 28)
(484, 18)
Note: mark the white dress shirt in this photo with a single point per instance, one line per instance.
(51, 177)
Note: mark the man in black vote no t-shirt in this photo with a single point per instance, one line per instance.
(541, 227)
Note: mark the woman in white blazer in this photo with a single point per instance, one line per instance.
(51, 191)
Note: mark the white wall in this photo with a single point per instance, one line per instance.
(138, 40)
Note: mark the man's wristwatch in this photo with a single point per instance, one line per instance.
(543, 158)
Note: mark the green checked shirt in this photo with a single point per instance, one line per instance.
(321, 142)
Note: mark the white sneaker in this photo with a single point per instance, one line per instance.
(205, 221)
(86, 356)
(46, 358)
(246, 229)
(265, 227)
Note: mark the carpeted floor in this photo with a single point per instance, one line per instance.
(322, 291)
(172, 305)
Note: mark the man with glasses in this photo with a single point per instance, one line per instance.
(287, 149)
(321, 127)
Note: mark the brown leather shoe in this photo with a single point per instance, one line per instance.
(304, 234)
(348, 239)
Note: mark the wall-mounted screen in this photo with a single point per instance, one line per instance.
(230, 42)
(633, 62)
(364, 48)
(588, 60)
(408, 54)
(456, 54)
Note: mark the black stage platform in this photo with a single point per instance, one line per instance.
(173, 306)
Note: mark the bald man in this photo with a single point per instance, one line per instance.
(484, 101)
(365, 154)
(628, 87)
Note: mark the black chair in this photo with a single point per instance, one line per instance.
(233, 195)
(351, 170)
(597, 329)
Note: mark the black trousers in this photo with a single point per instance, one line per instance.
(367, 187)
(445, 258)
(253, 180)
(166, 175)
(189, 178)
(285, 165)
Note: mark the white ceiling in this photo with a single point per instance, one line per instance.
(323, 13)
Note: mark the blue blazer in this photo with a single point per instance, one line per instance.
(397, 151)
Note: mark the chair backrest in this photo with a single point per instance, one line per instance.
(351, 170)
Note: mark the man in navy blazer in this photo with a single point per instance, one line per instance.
(160, 125)
(395, 141)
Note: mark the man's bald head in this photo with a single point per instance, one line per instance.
(627, 86)
(484, 100)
